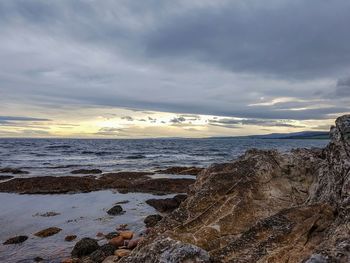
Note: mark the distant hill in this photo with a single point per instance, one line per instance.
(294, 135)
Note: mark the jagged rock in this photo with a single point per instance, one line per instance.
(265, 206)
(168, 251)
(84, 247)
(152, 220)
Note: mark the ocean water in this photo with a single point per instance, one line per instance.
(61, 156)
(84, 214)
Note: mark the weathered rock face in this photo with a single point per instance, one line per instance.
(265, 207)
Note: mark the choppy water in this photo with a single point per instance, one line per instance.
(85, 214)
(61, 156)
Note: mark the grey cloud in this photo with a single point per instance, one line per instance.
(186, 57)
(234, 123)
(342, 88)
(177, 119)
(20, 118)
(128, 118)
(287, 39)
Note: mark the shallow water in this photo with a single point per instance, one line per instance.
(83, 215)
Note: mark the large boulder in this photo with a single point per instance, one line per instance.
(264, 206)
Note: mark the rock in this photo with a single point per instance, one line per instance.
(264, 206)
(122, 252)
(181, 170)
(48, 232)
(115, 210)
(123, 182)
(70, 238)
(167, 204)
(152, 220)
(86, 171)
(117, 241)
(9, 170)
(5, 177)
(168, 250)
(111, 259)
(47, 214)
(100, 254)
(111, 235)
(84, 247)
(126, 234)
(15, 240)
(133, 243)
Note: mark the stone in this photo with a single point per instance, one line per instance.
(166, 204)
(84, 247)
(48, 232)
(126, 234)
(15, 240)
(70, 238)
(168, 251)
(100, 254)
(116, 210)
(133, 243)
(86, 171)
(152, 220)
(5, 177)
(117, 241)
(122, 252)
(9, 170)
(111, 259)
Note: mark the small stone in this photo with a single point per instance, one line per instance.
(48, 232)
(133, 243)
(15, 240)
(84, 247)
(122, 252)
(111, 259)
(117, 241)
(115, 210)
(152, 220)
(126, 234)
(70, 238)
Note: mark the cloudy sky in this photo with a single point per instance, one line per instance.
(158, 68)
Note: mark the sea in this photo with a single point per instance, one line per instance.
(84, 214)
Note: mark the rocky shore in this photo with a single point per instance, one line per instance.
(122, 181)
(265, 206)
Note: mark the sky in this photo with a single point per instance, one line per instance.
(159, 68)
